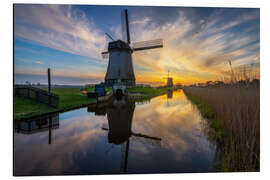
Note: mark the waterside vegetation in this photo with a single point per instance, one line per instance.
(234, 114)
(148, 91)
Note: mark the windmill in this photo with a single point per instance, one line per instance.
(120, 67)
(169, 80)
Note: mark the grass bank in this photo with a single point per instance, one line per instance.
(147, 92)
(234, 114)
(68, 98)
(24, 108)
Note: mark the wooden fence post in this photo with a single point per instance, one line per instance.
(50, 101)
(17, 92)
(49, 80)
(50, 130)
(49, 86)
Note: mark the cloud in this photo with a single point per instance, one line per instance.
(143, 21)
(29, 61)
(60, 27)
(39, 62)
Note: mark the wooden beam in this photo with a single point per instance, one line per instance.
(49, 80)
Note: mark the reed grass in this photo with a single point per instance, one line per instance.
(237, 113)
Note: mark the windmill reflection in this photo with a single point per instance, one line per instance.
(36, 125)
(119, 115)
(169, 96)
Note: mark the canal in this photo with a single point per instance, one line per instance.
(166, 134)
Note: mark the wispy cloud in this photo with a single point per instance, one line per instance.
(39, 62)
(143, 21)
(29, 61)
(58, 27)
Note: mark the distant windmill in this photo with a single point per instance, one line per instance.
(169, 80)
(120, 67)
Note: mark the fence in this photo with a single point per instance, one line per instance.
(37, 94)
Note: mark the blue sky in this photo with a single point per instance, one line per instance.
(198, 42)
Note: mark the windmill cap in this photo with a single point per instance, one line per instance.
(119, 45)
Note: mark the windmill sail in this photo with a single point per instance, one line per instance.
(125, 26)
(105, 55)
(143, 45)
(146, 141)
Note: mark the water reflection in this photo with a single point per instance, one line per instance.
(170, 94)
(165, 134)
(119, 115)
(47, 123)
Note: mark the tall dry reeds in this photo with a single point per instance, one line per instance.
(245, 73)
(237, 109)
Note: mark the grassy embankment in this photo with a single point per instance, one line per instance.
(234, 114)
(147, 92)
(68, 98)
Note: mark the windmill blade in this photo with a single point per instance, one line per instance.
(143, 45)
(142, 138)
(146, 136)
(145, 141)
(125, 26)
(109, 36)
(105, 54)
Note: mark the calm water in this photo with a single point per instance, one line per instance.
(163, 135)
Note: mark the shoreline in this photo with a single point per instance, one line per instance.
(101, 100)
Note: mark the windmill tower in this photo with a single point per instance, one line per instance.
(120, 67)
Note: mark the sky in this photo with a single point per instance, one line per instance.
(69, 39)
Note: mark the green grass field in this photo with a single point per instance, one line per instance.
(68, 98)
(71, 97)
(27, 108)
(148, 90)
